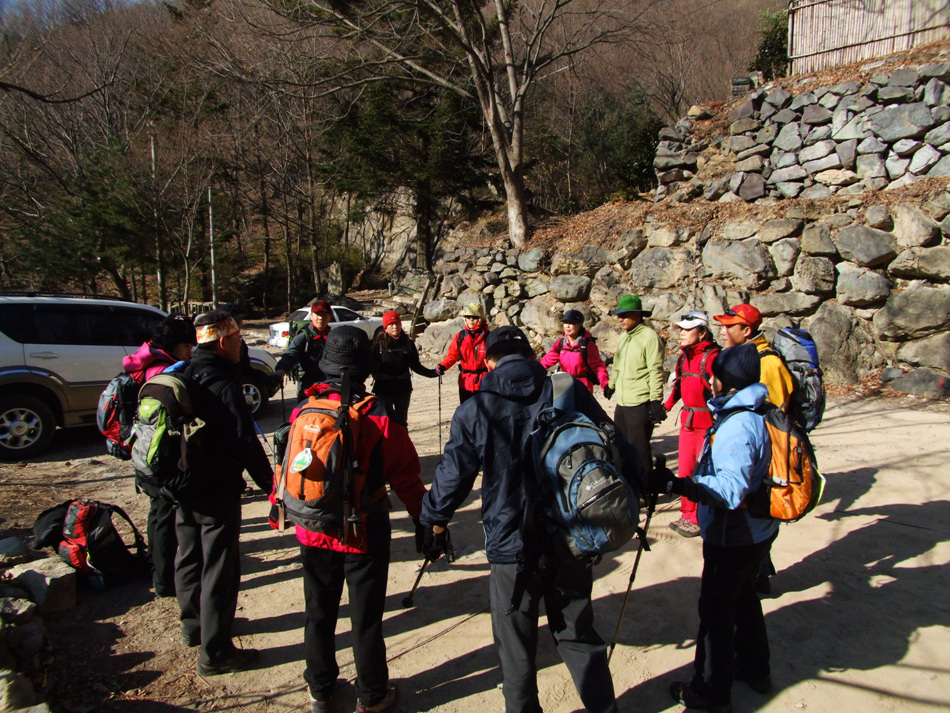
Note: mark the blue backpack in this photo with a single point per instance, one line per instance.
(578, 499)
(798, 351)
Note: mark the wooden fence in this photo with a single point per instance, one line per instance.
(829, 33)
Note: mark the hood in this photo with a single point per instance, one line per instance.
(515, 378)
(751, 397)
(145, 357)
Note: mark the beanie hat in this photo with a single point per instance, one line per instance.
(214, 325)
(321, 306)
(737, 367)
(573, 316)
(391, 317)
(347, 347)
(474, 309)
(741, 314)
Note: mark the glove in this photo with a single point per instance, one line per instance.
(420, 534)
(661, 479)
(439, 370)
(608, 392)
(434, 543)
(657, 412)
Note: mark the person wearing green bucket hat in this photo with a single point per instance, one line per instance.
(637, 377)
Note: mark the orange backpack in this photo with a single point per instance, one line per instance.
(319, 484)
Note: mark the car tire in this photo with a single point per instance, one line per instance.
(27, 426)
(255, 396)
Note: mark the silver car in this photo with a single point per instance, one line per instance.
(279, 335)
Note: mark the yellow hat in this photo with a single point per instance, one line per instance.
(474, 309)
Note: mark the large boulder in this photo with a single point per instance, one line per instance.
(532, 260)
(664, 305)
(903, 121)
(814, 275)
(746, 262)
(771, 304)
(865, 246)
(918, 311)
(542, 315)
(440, 310)
(859, 286)
(773, 230)
(816, 240)
(913, 227)
(922, 263)
(845, 347)
(607, 337)
(923, 382)
(784, 253)
(435, 339)
(660, 268)
(932, 352)
(570, 288)
(50, 582)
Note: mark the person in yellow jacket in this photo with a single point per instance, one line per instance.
(742, 324)
(637, 378)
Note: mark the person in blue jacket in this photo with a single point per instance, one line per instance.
(732, 643)
(488, 431)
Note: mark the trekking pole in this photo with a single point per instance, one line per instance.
(440, 418)
(272, 453)
(644, 545)
(283, 408)
(407, 600)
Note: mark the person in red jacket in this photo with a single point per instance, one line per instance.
(577, 353)
(468, 347)
(693, 386)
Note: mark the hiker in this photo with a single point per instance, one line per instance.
(576, 353)
(742, 325)
(487, 434)
(468, 347)
(637, 377)
(171, 343)
(692, 384)
(305, 349)
(732, 643)
(395, 354)
(207, 570)
(359, 558)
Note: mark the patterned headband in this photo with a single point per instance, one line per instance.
(213, 332)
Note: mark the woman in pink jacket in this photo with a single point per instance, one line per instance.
(577, 354)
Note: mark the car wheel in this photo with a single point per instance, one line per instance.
(255, 397)
(27, 425)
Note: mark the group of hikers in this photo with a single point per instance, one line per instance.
(193, 537)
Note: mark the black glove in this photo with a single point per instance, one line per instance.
(420, 534)
(608, 392)
(435, 544)
(661, 479)
(439, 370)
(657, 412)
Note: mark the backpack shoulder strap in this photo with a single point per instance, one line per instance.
(136, 535)
(459, 338)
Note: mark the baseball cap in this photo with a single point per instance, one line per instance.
(691, 320)
(741, 314)
(321, 306)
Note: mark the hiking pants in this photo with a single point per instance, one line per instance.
(731, 626)
(566, 595)
(208, 575)
(635, 425)
(162, 540)
(397, 402)
(465, 395)
(690, 448)
(366, 575)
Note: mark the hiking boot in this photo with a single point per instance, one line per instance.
(234, 660)
(382, 705)
(191, 637)
(684, 695)
(685, 527)
(321, 702)
(761, 685)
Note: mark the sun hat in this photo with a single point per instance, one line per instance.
(572, 316)
(737, 367)
(391, 317)
(214, 325)
(347, 347)
(741, 314)
(630, 303)
(691, 320)
(474, 309)
(321, 306)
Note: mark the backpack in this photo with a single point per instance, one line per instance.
(577, 497)
(702, 375)
(793, 486)
(799, 352)
(115, 414)
(89, 541)
(168, 434)
(318, 483)
(582, 344)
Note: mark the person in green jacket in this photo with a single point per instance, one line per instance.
(637, 377)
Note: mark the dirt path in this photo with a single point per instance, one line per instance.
(859, 619)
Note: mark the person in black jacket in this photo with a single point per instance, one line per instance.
(306, 348)
(208, 524)
(395, 354)
(488, 432)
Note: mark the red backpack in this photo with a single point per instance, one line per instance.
(91, 543)
(115, 414)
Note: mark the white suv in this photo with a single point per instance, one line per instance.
(58, 353)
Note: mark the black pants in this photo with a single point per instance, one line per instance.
(566, 596)
(731, 625)
(208, 575)
(162, 540)
(366, 575)
(635, 425)
(397, 402)
(465, 395)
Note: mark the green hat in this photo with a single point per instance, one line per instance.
(631, 303)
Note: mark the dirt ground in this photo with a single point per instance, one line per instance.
(859, 618)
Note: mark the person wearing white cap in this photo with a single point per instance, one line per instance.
(692, 385)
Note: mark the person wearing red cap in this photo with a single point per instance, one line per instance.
(395, 355)
(306, 348)
(740, 325)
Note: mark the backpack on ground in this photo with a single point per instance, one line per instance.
(578, 499)
(800, 354)
(168, 434)
(88, 540)
(318, 484)
(115, 415)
